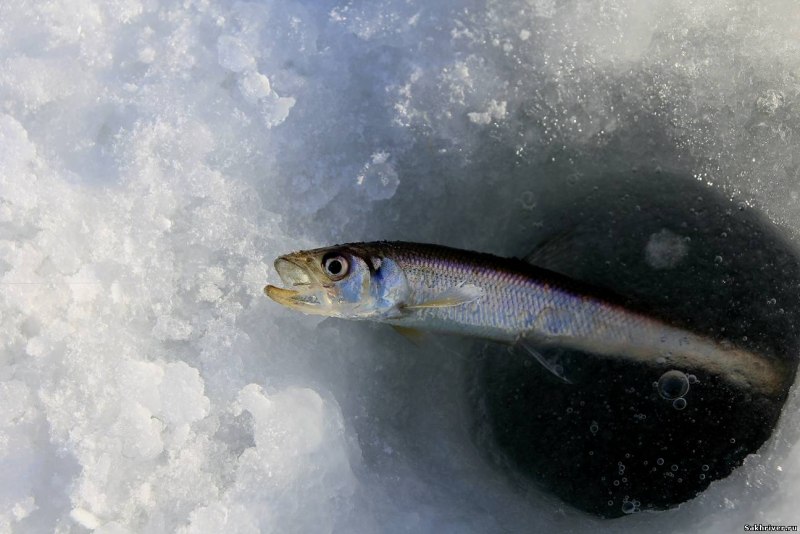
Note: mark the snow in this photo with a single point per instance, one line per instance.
(157, 155)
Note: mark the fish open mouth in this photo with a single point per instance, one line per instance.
(300, 291)
(291, 273)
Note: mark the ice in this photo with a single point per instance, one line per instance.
(157, 155)
(233, 54)
(377, 178)
(665, 249)
(496, 111)
(255, 86)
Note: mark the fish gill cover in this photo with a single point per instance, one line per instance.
(156, 155)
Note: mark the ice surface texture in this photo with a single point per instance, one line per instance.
(155, 155)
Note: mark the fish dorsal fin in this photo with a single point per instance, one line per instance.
(453, 296)
(549, 251)
(528, 346)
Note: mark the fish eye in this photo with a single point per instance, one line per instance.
(336, 267)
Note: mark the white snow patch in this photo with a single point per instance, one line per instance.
(233, 54)
(495, 111)
(378, 178)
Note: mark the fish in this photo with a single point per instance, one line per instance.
(419, 287)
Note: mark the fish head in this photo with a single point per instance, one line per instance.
(349, 281)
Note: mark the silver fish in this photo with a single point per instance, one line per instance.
(429, 287)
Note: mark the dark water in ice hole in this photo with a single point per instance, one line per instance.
(610, 444)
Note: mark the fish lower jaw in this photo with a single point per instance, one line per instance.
(303, 301)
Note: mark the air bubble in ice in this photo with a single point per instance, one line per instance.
(673, 384)
(628, 507)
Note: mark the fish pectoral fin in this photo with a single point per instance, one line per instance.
(529, 347)
(412, 334)
(454, 296)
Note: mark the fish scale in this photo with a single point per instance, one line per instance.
(508, 288)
